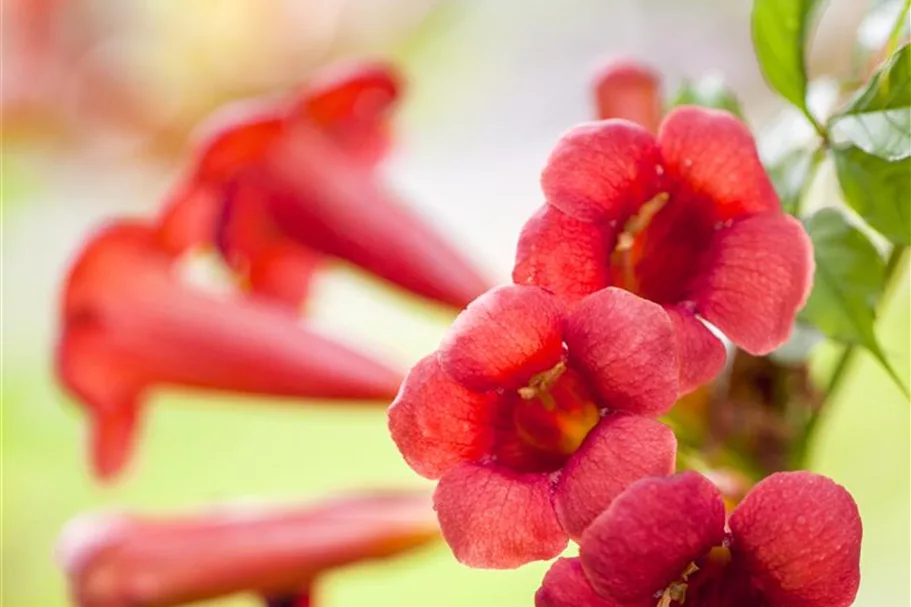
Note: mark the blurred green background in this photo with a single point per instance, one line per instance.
(492, 86)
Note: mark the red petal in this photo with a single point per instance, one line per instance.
(113, 436)
(620, 450)
(628, 89)
(603, 171)
(494, 518)
(236, 136)
(284, 273)
(799, 535)
(351, 103)
(760, 275)
(564, 255)
(329, 203)
(565, 585)
(436, 423)
(700, 353)
(625, 345)
(188, 217)
(128, 324)
(711, 157)
(649, 535)
(121, 561)
(273, 265)
(503, 338)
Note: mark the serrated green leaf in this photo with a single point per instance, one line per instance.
(709, 91)
(848, 283)
(780, 31)
(791, 174)
(878, 119)
(879, 190)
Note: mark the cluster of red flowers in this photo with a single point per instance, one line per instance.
(536, 412)
(277, 187)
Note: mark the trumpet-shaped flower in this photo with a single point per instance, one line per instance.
(278, 553)
(793, 541)
(274, 231)
(687, 219)
(535, 415)
(129, 324)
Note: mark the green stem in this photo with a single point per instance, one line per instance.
(840, 373)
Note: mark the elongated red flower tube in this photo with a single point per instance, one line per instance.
(688, 219)
(625, 88)
(129, 324)
(336, 129)
(535, 415)
(794, 540)
(277, 553)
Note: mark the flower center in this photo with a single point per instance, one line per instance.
(555, 412)
(698, 577)
(623, 259)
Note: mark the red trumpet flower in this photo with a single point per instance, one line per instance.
(535, 416)
(794, 540)
(336, 129)
(687, 219)
(276, 553)
(129, 324)
(627, 89)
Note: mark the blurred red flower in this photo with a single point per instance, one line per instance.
(129, 323)
(687, 219)
(535, 415)
(625, 88)
(278, 184)
(277, 553)
(794, 540)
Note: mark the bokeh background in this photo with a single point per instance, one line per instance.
(98, 98)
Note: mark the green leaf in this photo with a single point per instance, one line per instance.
(780, 30)
(878, 119)
(708, 91)
(791, 174)
(848, 283)
(879, 190)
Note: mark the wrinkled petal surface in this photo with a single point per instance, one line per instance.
(650, 533)
(504, 337)
(799, 535)
(603, 171)
(565, 585)
(700, 353)
(760, 276)
(627, 348)
(711, 157)
(625, 88)
(619, 451)
(436, 423)
(564, 255)
(493, 518)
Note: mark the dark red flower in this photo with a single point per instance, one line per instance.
(129, 324)
(794, 541)
(625, 88)
(297, 151)
(534, 415)
(687, 219)
(276, 552)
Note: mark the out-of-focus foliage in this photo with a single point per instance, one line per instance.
(878, 120)
(878, 190)
(708, 91)
(781, 29)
